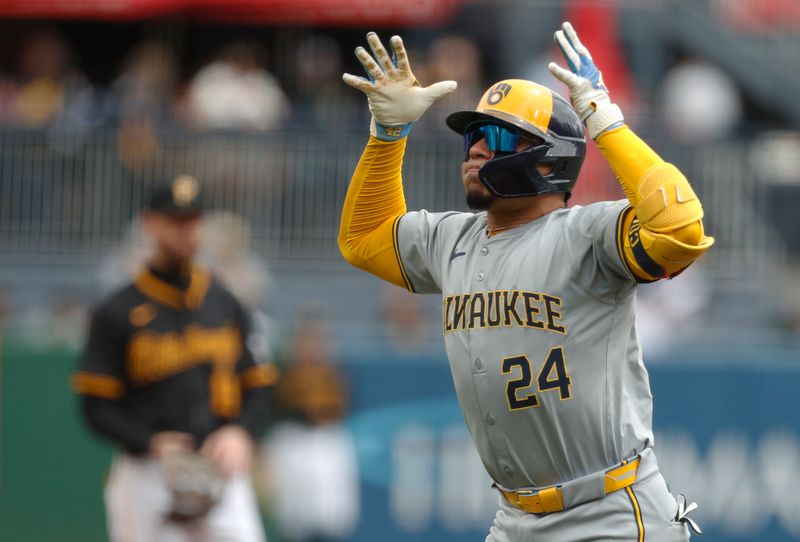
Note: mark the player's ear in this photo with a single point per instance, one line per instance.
(544, 169)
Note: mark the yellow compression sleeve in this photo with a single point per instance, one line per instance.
(372, 208)
(664, 234)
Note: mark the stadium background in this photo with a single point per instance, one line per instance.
(100, 100)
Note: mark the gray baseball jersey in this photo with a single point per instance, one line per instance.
(539, 329)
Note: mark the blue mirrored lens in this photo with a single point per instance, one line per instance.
(498, 138)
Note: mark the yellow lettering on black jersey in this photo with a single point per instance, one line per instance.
(143, 314)
(154, 356)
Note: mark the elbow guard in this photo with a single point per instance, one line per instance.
(669, 235)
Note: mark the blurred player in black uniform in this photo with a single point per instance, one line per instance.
(166, 373)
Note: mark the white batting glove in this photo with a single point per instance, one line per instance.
(396, 99)
(587, 91)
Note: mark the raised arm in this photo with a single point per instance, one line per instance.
(665, 228)
(375, 200)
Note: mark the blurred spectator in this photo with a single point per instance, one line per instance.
(406, 324)
(774, 159)
(60, 322)
(788, 298)
(8, 90)
(670, 309)
(310, 456)
(228, 254)
(701, 102)
(68, 313)
(312, 389)
(138, 144)
(146, 86)
(457, 58)
(322, 99)
(50, 86)
(235, 92)
(143, 95)
(227, 251)
(762, 16)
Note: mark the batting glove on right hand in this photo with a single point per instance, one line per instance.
(587, 91)
(396, 99)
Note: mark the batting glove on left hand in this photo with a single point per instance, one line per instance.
(587, 91)
(396, 99)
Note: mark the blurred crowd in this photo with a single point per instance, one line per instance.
(44, 85)
(234, 90)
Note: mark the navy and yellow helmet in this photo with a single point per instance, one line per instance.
(516, 108)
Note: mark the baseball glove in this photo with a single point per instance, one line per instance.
(195, 485)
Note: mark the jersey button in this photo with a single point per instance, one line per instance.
(478, 364)
(508, 471)
(480, 276)
(489, 419)
(484, 251)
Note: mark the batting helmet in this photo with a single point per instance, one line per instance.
(516, 108)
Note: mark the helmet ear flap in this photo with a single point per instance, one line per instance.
(559, 166)
(552, 181)
(532, 160)
(515, 175)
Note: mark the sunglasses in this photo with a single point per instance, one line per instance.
(498, 138)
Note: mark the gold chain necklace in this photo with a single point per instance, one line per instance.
(497, 229)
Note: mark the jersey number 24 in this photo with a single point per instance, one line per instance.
(552, 376)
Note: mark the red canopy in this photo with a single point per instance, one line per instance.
(327, 12)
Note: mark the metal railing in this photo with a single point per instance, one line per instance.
(288, 187)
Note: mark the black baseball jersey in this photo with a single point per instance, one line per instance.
(170, 354)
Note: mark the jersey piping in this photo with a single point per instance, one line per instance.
(98, 385)
(260, 376)
(621, 236)
(637, 513)
(396, 245)
(170, 296)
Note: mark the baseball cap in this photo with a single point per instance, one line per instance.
(181, 197)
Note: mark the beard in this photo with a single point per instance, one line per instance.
(478, 200)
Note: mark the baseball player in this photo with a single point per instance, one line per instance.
(166, 372)
(537, 297)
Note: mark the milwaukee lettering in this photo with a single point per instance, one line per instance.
(503, 308)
